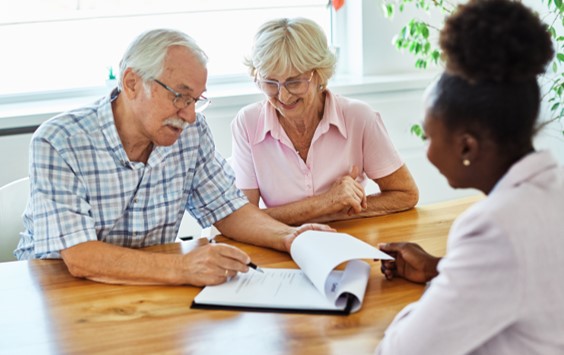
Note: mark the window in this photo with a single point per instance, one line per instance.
(54, 45)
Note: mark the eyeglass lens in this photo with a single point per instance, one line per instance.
(199, 105)
(180, 102)
(294, 87)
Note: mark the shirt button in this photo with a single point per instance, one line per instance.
(135, 200)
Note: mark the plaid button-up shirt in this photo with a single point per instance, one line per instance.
(84, 188)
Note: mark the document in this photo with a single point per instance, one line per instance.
(314, 288)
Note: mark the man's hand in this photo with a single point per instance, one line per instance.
(213, 264)
(411, 262)
(207, 264)
(305, 227)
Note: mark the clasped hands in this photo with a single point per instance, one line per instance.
(347, 195)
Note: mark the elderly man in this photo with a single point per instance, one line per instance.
(116, 176)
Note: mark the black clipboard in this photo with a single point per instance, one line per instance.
(341, 312)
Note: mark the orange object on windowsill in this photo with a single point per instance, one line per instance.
(337, 4)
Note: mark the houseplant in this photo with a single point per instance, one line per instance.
(418, 37)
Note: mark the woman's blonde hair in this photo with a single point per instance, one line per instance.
(285, 44)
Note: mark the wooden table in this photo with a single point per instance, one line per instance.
(44, 309)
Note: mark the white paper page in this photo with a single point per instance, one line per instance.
(317, 253)
(352, 280)
(276, 288)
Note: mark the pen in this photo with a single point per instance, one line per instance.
(254, 266)
(250, 264)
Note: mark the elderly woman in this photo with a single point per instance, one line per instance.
(499, 289)
(305, 151)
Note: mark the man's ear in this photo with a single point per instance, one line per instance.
(468, 147)
(131, 83)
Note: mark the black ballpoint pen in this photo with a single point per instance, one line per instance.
(254, 266)
(250, 264)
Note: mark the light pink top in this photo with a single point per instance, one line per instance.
(350, 133)
(500, 288)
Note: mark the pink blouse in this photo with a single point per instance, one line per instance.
(350, 133)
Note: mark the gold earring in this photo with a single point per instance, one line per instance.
(466, 162)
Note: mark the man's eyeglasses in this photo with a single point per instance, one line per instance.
(182, 101)
(295, 87)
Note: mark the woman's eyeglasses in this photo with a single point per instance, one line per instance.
(295, 87)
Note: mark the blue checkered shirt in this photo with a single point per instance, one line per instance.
(84, 188)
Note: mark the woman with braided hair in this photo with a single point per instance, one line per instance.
(499, 289)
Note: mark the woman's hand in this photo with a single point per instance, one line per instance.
(411, 262)
(347, 194)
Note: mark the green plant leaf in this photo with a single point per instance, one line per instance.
(398, 42)
(416, 130)
(412, 27)
(436, 55)
(403, 32)
(421, 63)
(424, 30)
(388, 10)
(560, 57)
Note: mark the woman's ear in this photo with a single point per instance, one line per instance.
(468, 148)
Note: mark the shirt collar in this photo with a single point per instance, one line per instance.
(108, 127)
(332, 115)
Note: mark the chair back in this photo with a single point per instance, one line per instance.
(13, 200)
